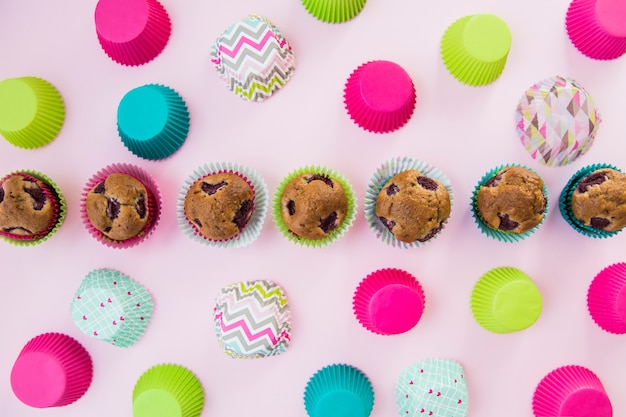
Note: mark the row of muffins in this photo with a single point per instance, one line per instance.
(407, 203)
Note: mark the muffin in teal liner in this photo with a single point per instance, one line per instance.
(509, 203)
(593, 201)
(32, 208)
(112, 307)
(222, 204)
(408, 202)
(339, 390)
(314, 206)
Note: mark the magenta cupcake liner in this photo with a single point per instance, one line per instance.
(597, 28)
(154, 203)
(606, 298)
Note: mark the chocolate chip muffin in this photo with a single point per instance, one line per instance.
(512, 201)
(412, 206)
(313, 205)
(28, 207)
(118, 207)
(599, 200)
(219, 205)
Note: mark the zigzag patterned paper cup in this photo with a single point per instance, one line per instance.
(597, 28)
(253, 58)
(334, 11)
(252, 319)
(606, 298)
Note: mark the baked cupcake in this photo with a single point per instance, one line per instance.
(32, 208)
(314, 206)
(120, 205)
(222, 204)
(408, 202)
(593, 201)
(509, 203)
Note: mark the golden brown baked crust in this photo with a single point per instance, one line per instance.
(25, 208)
(118, 207)
(313, 205)
(219, 205)
(413, 206)
(512, 200)
(599, 200)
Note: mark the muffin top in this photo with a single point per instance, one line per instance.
(313, 205)
(513, 200)
(26, 209)
(219, 205)
(599, 200)
(118, 207)
(412, 206)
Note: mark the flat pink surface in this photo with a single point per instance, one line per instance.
(612, 16)
(395, 309)
(462, 130)
(587, 403)
(385, 86)
(38, 379)
(121, 21)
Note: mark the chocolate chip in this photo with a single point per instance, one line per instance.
(329, 223)
(243, 214)
(140, 206)
(599, 223)
(545, 204)
(1, 194)
(392, 189)
(389, 224)
(591, 180)
(13, 229)
(113, 208)
(506, 223)
(198, 222)
(430, 234)
(291, 207)
(493, 182)
(107, 229)
(318, 177)
(99, 189)
(427, 183)
(38, 196)
(211, 189)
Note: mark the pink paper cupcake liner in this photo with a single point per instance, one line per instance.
(606, 298)
(154, 203)
(52, 370)
(597, 28)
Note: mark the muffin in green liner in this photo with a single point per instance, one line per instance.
(379, 180)
(516, 198)
(314, 206)
(334, 11)
(607, 195)
(18, 209)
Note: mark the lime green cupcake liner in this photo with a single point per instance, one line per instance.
(501, 235)
(60, 216)
(334, 11)
(334, 234)
(565, 203)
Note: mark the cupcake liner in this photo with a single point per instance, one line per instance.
(252, 229)
(132, 32)
(565, 203)
(252, 319)
(596, 28)
(259, 69)
(501, 235)
(112, 307)
(475, 48)
(339, 390)
(386, 171)
(606, 298)
(59, 207)
(52, 370)
(154, 203)
(388, 301)
(333, 11)
(32, 112)
(152, 121)
(432, 387)
(505, 300)
(168, 389)
(571, 390)
(380, 96)
(334, 234)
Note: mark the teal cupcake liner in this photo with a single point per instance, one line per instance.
(339, 390)
(334, 234)
(501, 235)
(565, 203)
(385, 172)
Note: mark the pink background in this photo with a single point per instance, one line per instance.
(463, 130)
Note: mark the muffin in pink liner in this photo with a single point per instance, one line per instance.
(388, 301)
(120, 205)
(572, 391)
(132, 32)
(597, 28)
(222, 204)
(52, 370)
(380, 96)
(606, 298)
